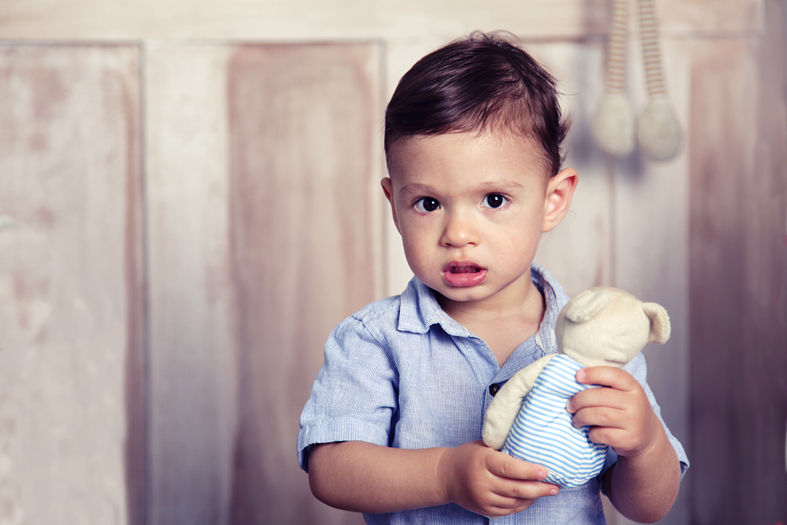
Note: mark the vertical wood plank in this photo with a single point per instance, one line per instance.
(70, 285)
(193, 349)
(739, 277)
(651, 216)
(304, 126)
(578, 252)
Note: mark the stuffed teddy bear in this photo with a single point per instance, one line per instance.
(598, 327)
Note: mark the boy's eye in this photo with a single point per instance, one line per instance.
(494, 200)
(427, 204)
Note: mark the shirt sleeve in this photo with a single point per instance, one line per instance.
(638, 368)
(354, 395)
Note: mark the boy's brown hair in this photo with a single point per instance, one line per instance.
(483, 82)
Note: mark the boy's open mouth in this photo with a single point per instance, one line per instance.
(464, 269)
(464, 274)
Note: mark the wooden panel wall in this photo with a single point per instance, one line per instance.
(71, 290)
(265, 225)
(739, 277)
(258, 247)
(193, 351)
(303, 122)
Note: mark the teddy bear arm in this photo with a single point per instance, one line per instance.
(505, 406)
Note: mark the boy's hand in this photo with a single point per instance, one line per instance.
(489, 482)
(621, 416)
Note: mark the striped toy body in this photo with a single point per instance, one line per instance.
(543, 433)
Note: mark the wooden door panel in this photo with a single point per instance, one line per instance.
(304, 225)
(265, 231)
(71, 412)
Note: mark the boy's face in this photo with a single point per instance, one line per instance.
(471, 210)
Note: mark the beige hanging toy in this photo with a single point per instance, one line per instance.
(658, 131)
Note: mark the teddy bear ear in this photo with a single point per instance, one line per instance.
(659, 323)
(587, 305)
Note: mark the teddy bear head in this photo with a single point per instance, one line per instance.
(608, 327)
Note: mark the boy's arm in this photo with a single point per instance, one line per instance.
(644, 483)
(644, 488)
(364, 477)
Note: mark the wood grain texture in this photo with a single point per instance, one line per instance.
(304, 124)
(71, 420)
(578, 252)
(651, 217)
(320, 20)
(193, 344)
(739, 278)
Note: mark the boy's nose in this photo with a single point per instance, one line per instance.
(459, 231)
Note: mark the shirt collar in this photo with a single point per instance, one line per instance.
(419, 309)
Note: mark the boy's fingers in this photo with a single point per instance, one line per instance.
(505, 466)
(599, 417)
(606, 376)
(596, 397)
(525, 490)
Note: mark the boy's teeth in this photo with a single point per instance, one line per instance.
(464, 269)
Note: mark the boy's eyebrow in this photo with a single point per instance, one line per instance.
(501, 185)
(415, 187)
(489, 186)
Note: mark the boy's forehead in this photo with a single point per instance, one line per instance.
(465, 147)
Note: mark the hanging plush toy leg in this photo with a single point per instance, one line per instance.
(613, 124)
(658, 130)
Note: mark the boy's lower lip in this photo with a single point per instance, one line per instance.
(464, 276)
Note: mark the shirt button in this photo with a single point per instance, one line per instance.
(493, 389)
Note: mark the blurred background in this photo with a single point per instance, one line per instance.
(189, 201)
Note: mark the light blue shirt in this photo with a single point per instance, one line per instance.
(402, 373)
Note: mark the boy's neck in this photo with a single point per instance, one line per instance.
(502, 324)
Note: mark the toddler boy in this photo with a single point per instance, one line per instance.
(393, 425)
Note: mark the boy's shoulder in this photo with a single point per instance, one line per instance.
(376, 322)
(382, 308)
(414, 310)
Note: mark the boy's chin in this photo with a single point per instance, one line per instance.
(458, 295)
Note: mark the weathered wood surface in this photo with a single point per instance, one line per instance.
(263, 233)
(578, 252)
(320, 20)
(651, 217)
(193, 345)
(251, 147)
(304, 127)
(71, 320)
(739, 278)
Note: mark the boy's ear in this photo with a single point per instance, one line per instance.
(560, 190)
(388, 190)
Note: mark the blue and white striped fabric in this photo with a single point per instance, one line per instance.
(543, 433)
